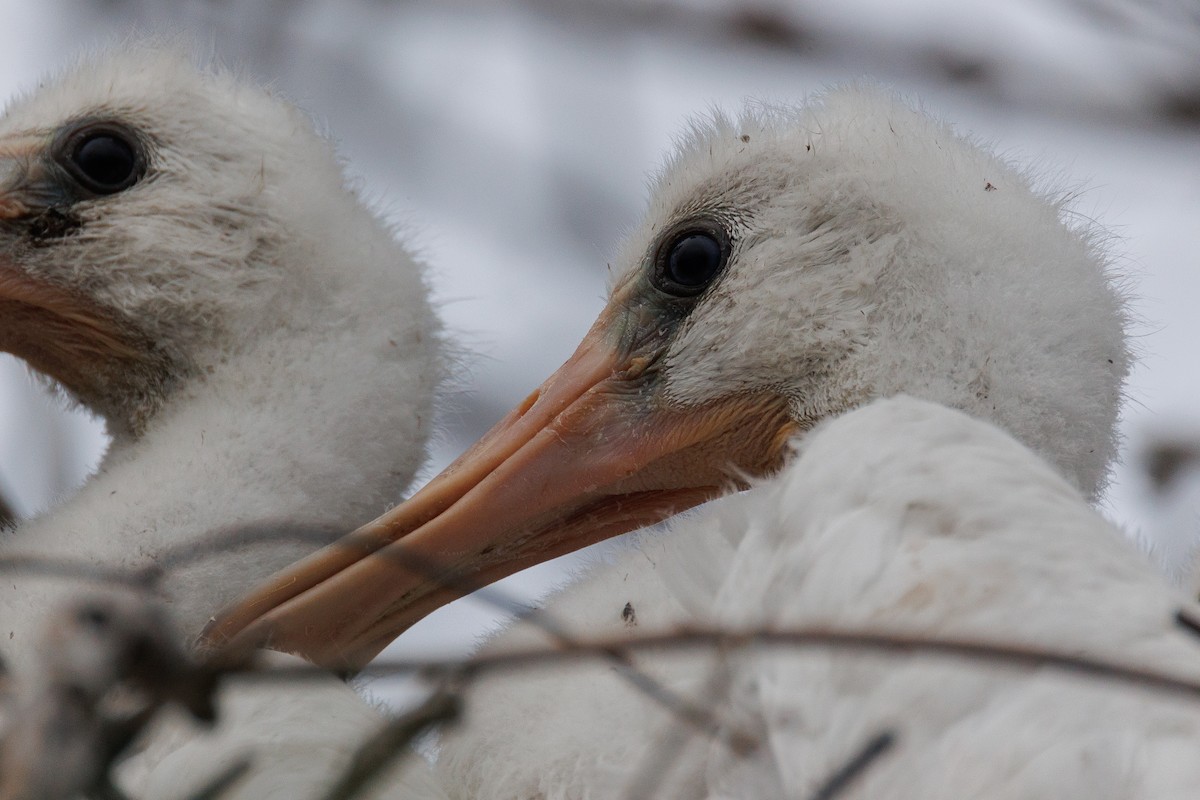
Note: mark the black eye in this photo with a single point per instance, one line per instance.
(690, 261)
(103, 160)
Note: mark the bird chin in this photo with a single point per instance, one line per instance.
(60, 334)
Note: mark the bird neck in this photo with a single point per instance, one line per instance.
(128, 395)
(281, 445)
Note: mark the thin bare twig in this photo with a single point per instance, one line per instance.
(854, 766)
(656, 765)
(691, 713)
(391, 742)
(980, 651)
(1186, 620)
(225, 540)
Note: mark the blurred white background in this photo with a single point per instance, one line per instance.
(511, 140)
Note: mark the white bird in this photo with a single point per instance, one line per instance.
(180, 253)
(796, 264)
(902, 517)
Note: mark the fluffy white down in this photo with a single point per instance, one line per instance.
(876, 252)
(311, 355)
(902, 515)
(306, 357)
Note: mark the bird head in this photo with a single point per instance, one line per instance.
(148, 212)
(794, 263)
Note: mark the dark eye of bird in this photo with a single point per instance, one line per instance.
(690, 262)
(102, 160)
(106, 161)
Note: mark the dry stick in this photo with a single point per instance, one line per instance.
(452, 578)
(571, 648)
(391, 742)
(232, 538)
(657, 765)
(693, 714)
(1186, 620)
(827, 637)
(846, 774)
(988, 653)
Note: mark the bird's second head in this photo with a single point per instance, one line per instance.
(154, 219)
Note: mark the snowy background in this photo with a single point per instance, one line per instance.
(512, 141)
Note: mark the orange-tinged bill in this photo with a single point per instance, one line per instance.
(591, 454)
